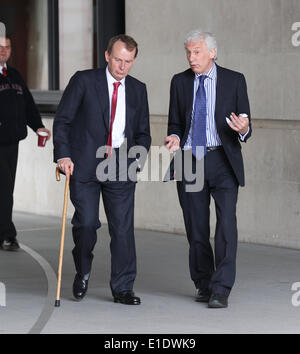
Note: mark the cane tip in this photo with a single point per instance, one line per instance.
(57, 303)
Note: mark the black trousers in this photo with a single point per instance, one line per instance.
(215, 271)
(118, 201)
(8, 166)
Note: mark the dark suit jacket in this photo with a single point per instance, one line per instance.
(81, 124)
(17, 108)
(231, 96)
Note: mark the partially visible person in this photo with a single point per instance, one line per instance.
(17, 110)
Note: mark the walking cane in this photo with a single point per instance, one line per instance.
(62, 240)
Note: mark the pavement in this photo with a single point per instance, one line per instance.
(265, 298)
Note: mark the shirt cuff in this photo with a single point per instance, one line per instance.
(242, 137)
(63, 158)
(176, 136)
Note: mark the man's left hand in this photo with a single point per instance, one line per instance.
(239, 124)
(46, 131)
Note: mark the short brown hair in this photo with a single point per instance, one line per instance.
(130, 43)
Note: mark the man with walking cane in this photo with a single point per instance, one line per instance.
(103, 107)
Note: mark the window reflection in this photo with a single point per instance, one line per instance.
(26, 22)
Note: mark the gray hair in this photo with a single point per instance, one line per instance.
(202, 36)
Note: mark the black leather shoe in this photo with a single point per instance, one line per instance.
(218, 301)
(127, 298)
(202, 295)
(80, 286)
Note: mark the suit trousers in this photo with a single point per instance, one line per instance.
(8, 166)
(118, 201)
(215, 271)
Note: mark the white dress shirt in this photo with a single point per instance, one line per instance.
(212, 136)
(1, 68)
(118, 132)
(210, 85)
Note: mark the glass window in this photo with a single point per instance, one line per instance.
(26, 22)
(78, 34)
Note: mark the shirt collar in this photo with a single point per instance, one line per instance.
(212, 74)
(1, 68)
(111, 79)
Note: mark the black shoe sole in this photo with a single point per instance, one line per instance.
(118, 301)
(78, 299)
(12, 249)
(8, 249)
(205, 300)
(217, 306)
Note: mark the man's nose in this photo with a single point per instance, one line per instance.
(191, 58)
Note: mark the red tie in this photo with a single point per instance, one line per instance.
(4, 71)
(112, 116)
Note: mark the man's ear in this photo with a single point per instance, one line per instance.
(106, 55)
(212, 53)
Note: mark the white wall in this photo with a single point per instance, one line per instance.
(254, 37)
(75, 38)
(36, 189)
(268, 207)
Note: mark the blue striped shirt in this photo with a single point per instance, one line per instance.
(210, 85)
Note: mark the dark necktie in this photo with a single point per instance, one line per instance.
(112, 117)
(199, 121)
(4, 71)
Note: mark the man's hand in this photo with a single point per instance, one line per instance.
(46, 131)
(172, 143)
(66, 165)
(239, 123)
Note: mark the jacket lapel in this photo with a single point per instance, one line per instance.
(219, 91)
(130, 104)
(189, 94)
(102, 95)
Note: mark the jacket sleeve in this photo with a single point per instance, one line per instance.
(33, 117)
(66, 113)
(142, 135)
(175, 123)
(243, 102)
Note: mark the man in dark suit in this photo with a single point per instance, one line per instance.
(103, 107)
(209, 108)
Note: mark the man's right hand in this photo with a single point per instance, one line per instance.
(66, 165)
(172, 143)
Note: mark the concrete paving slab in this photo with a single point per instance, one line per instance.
(261, 301)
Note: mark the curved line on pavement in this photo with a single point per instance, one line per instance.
(52, 281)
